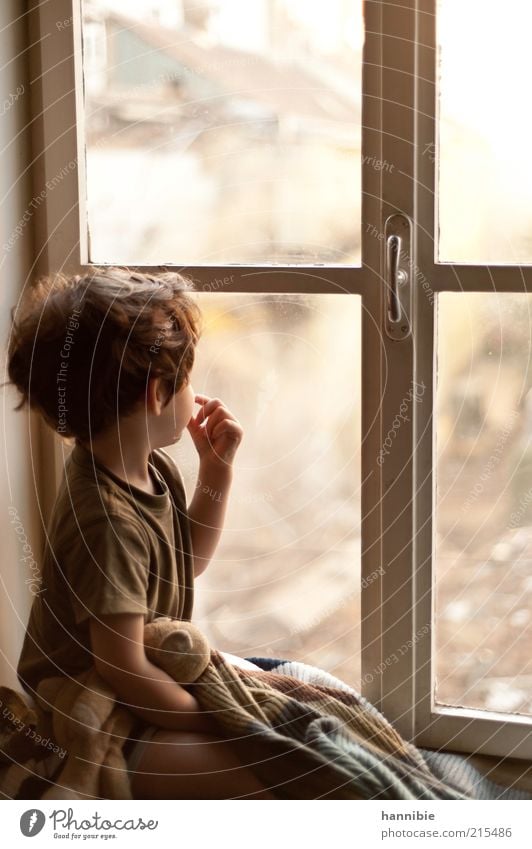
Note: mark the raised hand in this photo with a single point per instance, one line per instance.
(216, 433)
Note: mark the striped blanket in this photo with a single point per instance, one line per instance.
(371, 760)
(304, 733)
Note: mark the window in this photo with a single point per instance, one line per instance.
(221, 125)
(285, 581)
(312, 175)
(484, 181)
(484, 495)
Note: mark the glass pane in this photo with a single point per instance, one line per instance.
(484, 177)
(483, 541)
(224, 131)
(285, 579)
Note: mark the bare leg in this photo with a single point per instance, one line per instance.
(190, 765)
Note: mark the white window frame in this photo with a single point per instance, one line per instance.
(397, 497)
(461, 729)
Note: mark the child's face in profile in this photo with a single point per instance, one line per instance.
(177, 414)
(184, 404)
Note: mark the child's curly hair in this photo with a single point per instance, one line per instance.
(82, 348)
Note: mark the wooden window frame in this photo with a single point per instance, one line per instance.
(397, 497)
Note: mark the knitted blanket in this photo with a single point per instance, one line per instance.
(421, 773)
(304, 733)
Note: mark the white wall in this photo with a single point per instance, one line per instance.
(18, 448)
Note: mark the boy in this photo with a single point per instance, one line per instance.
(106, 359)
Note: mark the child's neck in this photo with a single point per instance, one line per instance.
(125, 454)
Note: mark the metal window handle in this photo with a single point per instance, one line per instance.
(397, 300)
(396, 277)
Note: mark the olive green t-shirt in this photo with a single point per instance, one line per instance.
(111, 548)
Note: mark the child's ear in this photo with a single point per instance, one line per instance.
(155, 395)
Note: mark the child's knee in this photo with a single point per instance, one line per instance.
(185, 753)
(191, 765)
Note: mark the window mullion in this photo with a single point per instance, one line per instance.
(399, 392)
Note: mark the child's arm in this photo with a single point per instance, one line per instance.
(216, 435)
(207, 511)
(117, 643)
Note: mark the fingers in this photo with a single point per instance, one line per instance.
(201, 399)
(232, 430)
(221, 421)
(210, 405)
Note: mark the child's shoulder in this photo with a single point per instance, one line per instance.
(161, 455)
(166, 464)
(86, 497)
(91, 489)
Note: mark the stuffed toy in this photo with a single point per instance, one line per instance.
(89, 724)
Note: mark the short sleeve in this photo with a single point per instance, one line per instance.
(107, 568)
(175, 471)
